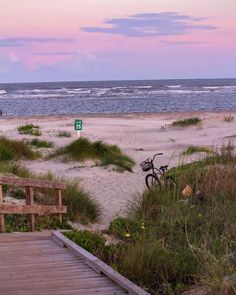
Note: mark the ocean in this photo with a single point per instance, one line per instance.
(113, 97)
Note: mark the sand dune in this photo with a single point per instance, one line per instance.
(139, 136)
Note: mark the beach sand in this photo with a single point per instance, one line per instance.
(139, 136)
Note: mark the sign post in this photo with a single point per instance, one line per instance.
(78, 127)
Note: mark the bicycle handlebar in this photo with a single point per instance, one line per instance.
(158, 154)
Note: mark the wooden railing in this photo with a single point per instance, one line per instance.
(30, 208)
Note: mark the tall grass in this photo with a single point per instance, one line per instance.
(30, 129)
(197, 149)
(81, 206)
(40, 143)
(171, 242)
(187, 122)
(82, 149)
(14, 150)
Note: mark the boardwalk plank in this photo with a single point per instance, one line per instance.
(32, 264)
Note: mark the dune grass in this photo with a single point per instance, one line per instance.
(229, 119)
(63, 134)
(170, 242)
(15, 150)
(81, 207)
(40, 143)
(82, 149)
(187, 122)
(197, 149)
(30, 129)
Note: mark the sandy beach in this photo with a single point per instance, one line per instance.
(139, 136)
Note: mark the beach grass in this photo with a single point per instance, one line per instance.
(187, 122)
(82, 149)
(229, 119)
(40, 143)
(15, 150)
(63, 134)
(197, 149)
(81, 206)
(180, 240)
(30, 129)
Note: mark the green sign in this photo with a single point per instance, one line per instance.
(78, 125)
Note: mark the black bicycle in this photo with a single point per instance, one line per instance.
(159, 176)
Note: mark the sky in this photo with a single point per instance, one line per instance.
(78, 40)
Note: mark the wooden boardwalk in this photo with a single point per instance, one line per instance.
(37, 264)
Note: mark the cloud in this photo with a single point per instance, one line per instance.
(168, 42)
(56, 53)
(152, 24)
(22, 41)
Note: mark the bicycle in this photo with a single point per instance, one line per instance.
(159, 176)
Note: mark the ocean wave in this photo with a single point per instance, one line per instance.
(176, 91)
(173, 86)
(229, 87)
(36, 96)
(141, 87)
(3, 92)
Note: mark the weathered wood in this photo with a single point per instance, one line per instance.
(2, 221)
(58, 201)
(43, 267)
(99, 265)
(32, 182)
(30, 201)
(32, 209)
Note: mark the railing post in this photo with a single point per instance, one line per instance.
(58, 201)
(30, 201)
(2, 221)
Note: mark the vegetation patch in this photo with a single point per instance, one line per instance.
(40, 143)
(14, 150)
(187, 122)
(92, 242)
(30, 129)
(180, 240)
(197, 149)
(229, 119)
(63, 134)
(81, 206)
(82, 149)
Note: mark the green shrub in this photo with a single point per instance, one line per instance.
(91, 242)
(14, 150)
(82, 149)
(187, 122)
(126, 228)
(18, 223)
(40, 143)
(29, 129)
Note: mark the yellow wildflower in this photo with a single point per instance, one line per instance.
(127, 235)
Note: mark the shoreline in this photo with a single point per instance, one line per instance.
(119, 115)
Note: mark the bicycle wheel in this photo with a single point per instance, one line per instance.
(152, 181)
(169, 182)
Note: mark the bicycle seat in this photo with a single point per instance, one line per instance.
(164, 167)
